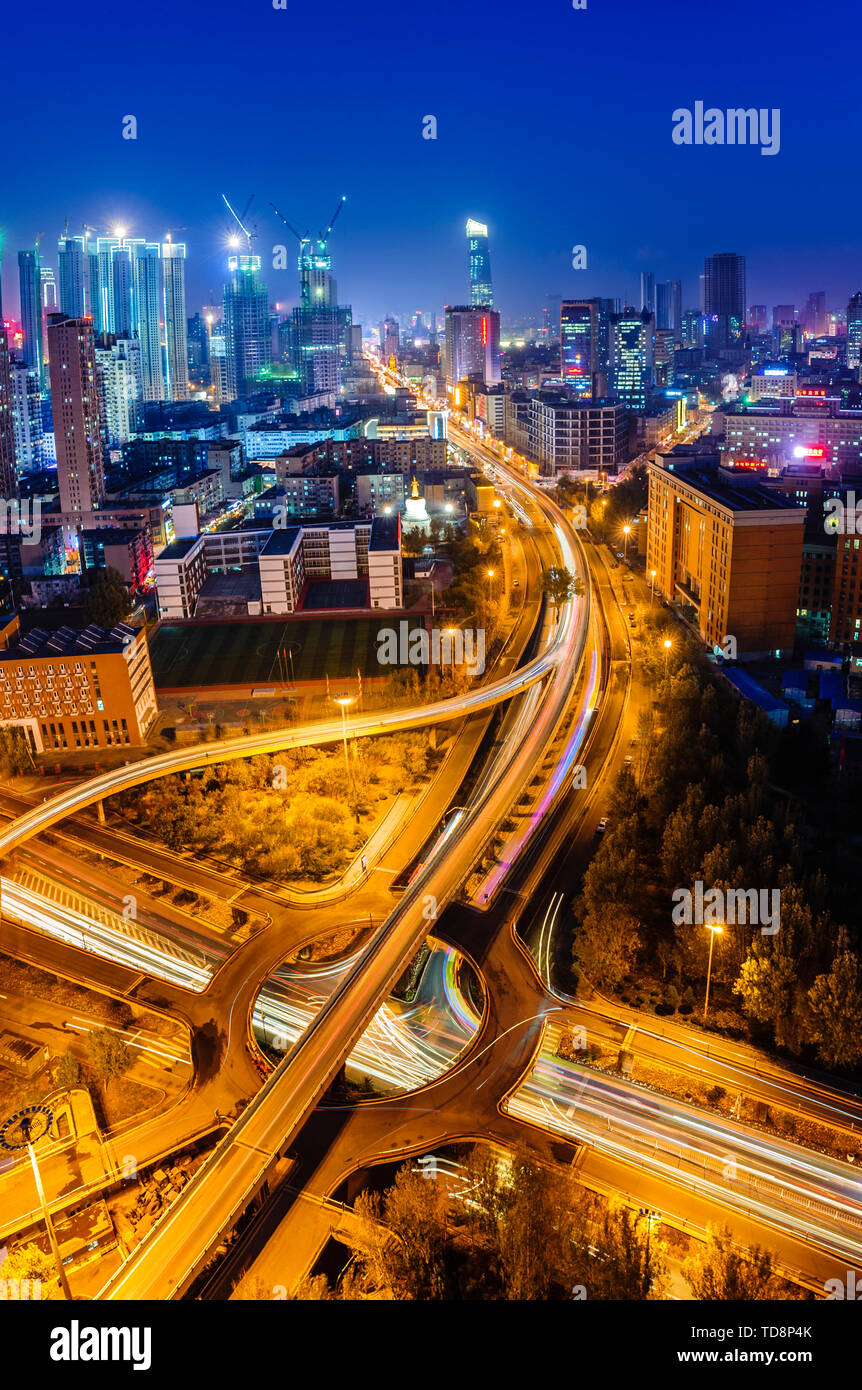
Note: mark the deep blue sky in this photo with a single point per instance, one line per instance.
(554, 126)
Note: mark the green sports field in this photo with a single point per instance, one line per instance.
(247, 653)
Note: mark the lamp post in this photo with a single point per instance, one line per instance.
(714, 931)
(490, 577)
(651, 587)
(667, 646)
(344, 701)
(451, 631)
(626, 532)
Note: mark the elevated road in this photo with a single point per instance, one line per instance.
(165, 1264)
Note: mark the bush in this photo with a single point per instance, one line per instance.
(671, 998)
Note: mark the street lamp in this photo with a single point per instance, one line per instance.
(714, 931)
(626, 532)
(651, 587)
(451, 631)
(667, 646)
(344, 701)
(490, 577)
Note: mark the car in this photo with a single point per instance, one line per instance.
(516, 583)
(602, 826)
(627, 758)
(620, 555)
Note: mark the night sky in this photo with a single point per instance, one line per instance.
(554, 126)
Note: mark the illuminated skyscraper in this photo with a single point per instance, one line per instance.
(146, 312)
(724, 299)
(579, 329)
(648, 291)
(854, 331)
(472, 346)
(246, 323)
(8, 475)
(632, 356)
(77, 418)
(71, 272)
(118, 377)
(27, 417)
(31, 307)
(479, 262)
(176, 328)
(668, 306)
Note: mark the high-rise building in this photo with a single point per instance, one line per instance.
(246, 322)
(579, 346)
(389, 338)
(176, 339)
(31, 307)
(27, 417)
(757, 319)
(668, 307)
(101, 283)
(632, 356)
(648, 291)
(479, 264)
(724, 299)
(691, 333)
(815, 316)
(472, 346)
(122, 290)
(72, 275)
(854, 331)
(146, 317)
(77, 418)
(8, 475)
(120, 385)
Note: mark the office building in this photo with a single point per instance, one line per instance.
(727, 550)
(8, 473)
(854, 331)
(69, 689)
(816, 319)
(72, 276)
(147, 316)
(648, 300)
(582, 367)
(389, 338)
(173, 260)
(77, 418)
(479, 264)
(632, 359)
(472, 344)
(724, 299)
(584, 437)
(757, 319)
(668, 307)
(248, 340)
(29, 287)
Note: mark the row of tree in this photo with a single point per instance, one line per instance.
(513, 1229)
(699, 804)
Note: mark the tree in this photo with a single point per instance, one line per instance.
(836, 1006)
(560, 584)
(29, 1262)
(67, 1071)
(15, 755)
(402, 1238)
(109, 1054)
(717, 1271)
(108, 601)
(629, 1263)
(607, 944)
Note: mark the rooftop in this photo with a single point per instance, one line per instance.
(67, 641)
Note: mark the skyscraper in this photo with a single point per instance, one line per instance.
(648, 291)
(579, 346)
(29, 285)
(757, 318)
(77, 418)
(246, 323)
(71, 272)
(120, 386)
(8, 475)
(27, 417)
(632, 356)
(176, 329)
(668, 306)
(724, 299)
(472, 346)
(146, 311)
(815, 314)
(854, 331)
(479, 263)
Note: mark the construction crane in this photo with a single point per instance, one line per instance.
(170, 232)
(290, 226)
(250, 236)
(342, 201)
